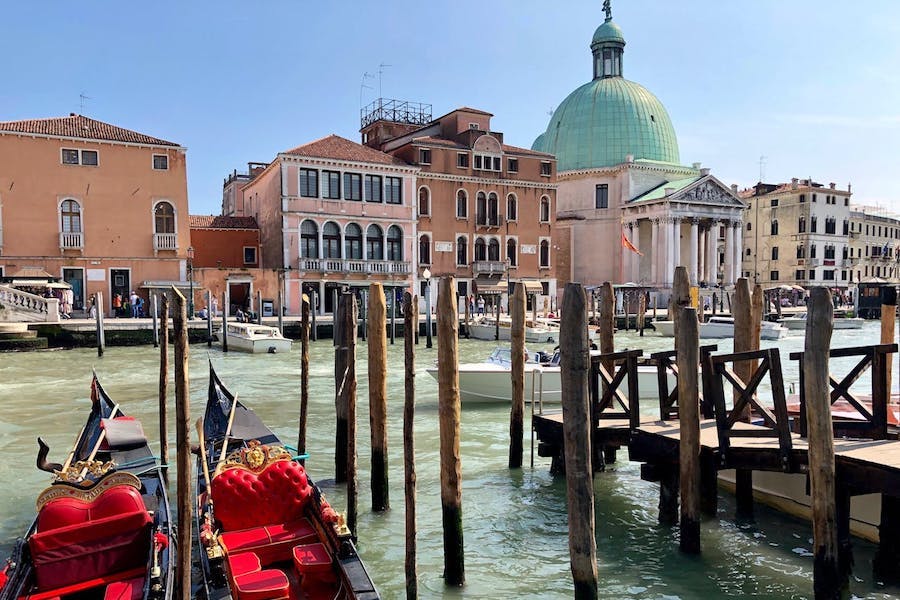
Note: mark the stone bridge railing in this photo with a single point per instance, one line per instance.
(22, 306)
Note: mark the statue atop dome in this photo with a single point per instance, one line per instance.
(607, 8)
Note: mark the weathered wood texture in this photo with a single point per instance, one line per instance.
(304, 375)
(224, 322)
(183, 444)
(340, 408)
(830, 580)
(888, 325)
(577, 426)
(688, 360)
(681, 298)
(377, 344)
(410, 321)
(349, 311)
(449, 415)
(517, 373)
(164, 385)
(742, 311)
(101, 339)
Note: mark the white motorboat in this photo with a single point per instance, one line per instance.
(723, 327)
(798, 322)
(485, 328)
(258, 339)
(489, 382)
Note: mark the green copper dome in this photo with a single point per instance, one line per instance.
(609, 118)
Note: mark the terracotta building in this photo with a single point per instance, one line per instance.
(485, 209)
(332, 214)
(103, 207)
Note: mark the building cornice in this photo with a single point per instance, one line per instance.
(622, 167)
(47, 136)
(334, 162)
(485, 181)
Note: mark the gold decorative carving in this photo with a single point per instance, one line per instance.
(64, 489)
(255, 457)
(77, 472)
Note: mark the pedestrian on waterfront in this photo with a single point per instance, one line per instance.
(215, 306)
(117, 305)
(140, 307)
(92, 313)
(480, 305)
(239, 315)
(132, 300)
(471, 304)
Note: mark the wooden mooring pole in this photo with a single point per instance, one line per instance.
(304, 375)
(743, 342)
(348, 332)
(681, 298)
(209, 319)
(377, 344)
(575, 361)
(101, 337)
(688, 361)
(281, 309)
(830, 578)
(164, 386)
(888, 326)
(341, 380)
(259, 307)
(154, 312)
(449, 416)
(225, 308)
(183, 445)
(313, 309)
(410, 321)
(517, 372)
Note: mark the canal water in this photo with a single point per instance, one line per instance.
(514, 521)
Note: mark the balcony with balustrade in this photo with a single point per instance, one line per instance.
(355, 266)
(71, 240)
(488, 267)
(165, 242)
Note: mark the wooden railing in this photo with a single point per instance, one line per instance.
(668, 400)
(873, 419)
(605, 383)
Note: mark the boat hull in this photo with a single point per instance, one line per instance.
(259, 346)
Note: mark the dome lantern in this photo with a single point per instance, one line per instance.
(607, 46)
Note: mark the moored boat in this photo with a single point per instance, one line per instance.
(798, 322)
(257, 339)
(103, 527)
(722, 327)
(485, 328)
(266, 530)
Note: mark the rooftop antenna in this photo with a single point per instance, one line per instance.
(366, 76)
(762, 168)
(82, 98)
(381, 68)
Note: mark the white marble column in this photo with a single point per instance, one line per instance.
(701, 263)
(738, 250)
(627, 255)
(636, 259)
(654, 251)
(692, 253)
(728, 271)
(712, 256)
(667, 269)
(676, 240)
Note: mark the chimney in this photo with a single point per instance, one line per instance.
(669, 191)
(831, 185)
(704, 171)
(734, 188)
(695, 165)
(794, 182)
(629, 158)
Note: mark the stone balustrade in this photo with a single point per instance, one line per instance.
(16, 303)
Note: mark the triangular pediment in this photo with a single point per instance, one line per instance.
(710, 191)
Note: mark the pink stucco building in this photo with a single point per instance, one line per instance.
(332, 213)
(103, 207)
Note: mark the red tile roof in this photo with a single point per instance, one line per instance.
(526, 151)
(220, 222)
(438, 141)
(78, 126)
(338, 148)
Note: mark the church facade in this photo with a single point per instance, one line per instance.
(628, 211)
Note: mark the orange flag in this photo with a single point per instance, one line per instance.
(626, 243)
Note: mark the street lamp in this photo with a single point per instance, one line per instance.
(426, 274)
(190, 274)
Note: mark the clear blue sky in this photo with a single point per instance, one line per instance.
(812, 85)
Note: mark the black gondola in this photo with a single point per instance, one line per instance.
(266, 530)
(102, 530)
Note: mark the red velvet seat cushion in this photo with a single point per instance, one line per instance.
(62, 512)
(271, 543)
(313, 561)
(278, 495)
(241, 564)
(132, 589)
(271, 584)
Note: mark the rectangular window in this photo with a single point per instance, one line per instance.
(498, 166)
(513, 165)
(802, 198)
(828, 275)
(352, 186)
(69, 157)
(462, 160)
(392, 190)
(373, 188)
(843, 275)
(89, 158)
(249, 255)
(601, 196)
(773, 276)
(478, 158)
(774, 201)
(424, 156)
(545, 169)
(309, 183)
(774, 252)
(161, 162)
(800, 274)
(814, 197)
(331, 185)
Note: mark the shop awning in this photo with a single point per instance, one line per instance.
(487, 284)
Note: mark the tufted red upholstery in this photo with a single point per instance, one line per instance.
(132, 589)
(244, 499)
(261, 585)
(77, 540)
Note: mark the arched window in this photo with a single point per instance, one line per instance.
(353, 242)
(480, 249)
(309, 239)
(462, 204)
(424, 250)
(775, 227)
(424, 201)
(511, 252)
(801, 225)
(481, 209)
(164, 217)
(395, 243)
(749, 226)
(545, 209)
(511, 208)
(493, 210)
(462, 250)
(374, 243)
(331, 240)
(70, 213)
(545, 253)
(494, 249)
